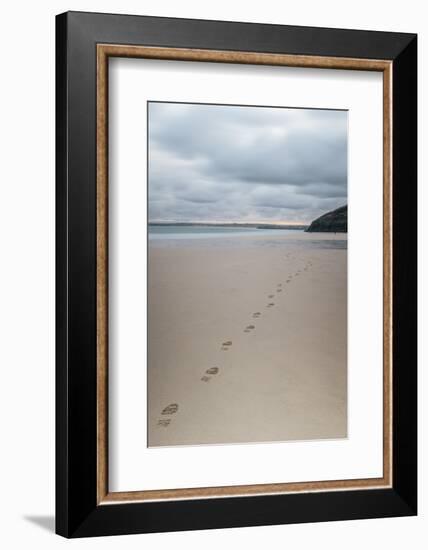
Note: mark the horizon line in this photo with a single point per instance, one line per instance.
(217, 222)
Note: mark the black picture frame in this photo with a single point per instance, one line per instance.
(78, 513)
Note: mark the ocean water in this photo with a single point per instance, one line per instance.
(199, 235)
(157, 232)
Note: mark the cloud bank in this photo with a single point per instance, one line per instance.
(227, 163)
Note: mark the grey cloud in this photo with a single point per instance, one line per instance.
(229, 163)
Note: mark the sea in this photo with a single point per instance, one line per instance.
(177, 235)
(210, 231)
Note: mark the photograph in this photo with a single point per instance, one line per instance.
(247, 274)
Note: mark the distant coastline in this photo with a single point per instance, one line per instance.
(230, 224)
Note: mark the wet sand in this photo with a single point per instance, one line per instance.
(247, 343)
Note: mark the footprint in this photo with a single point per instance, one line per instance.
(225, 345)
(270, 305)
(249, 328)
(271, 296)
(164, 422)
(279, 285)
(279, 290)
(170, 409)
(212, 370)
(256, 315)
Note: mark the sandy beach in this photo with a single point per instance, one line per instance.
(247, 339)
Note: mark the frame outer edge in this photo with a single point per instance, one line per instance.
(61, 268)
(405, 274)
(313, 41)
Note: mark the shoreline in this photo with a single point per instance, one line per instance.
(282, 238)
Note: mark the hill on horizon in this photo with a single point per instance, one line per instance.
(335, 221)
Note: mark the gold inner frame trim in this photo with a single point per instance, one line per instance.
(104, 51)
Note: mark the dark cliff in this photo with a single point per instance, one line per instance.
(335, 221)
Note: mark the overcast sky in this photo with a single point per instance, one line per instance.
(227, 163)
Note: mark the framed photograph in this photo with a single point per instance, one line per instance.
(236, 274)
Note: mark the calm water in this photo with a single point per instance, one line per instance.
(187, 235)
(209, 231)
